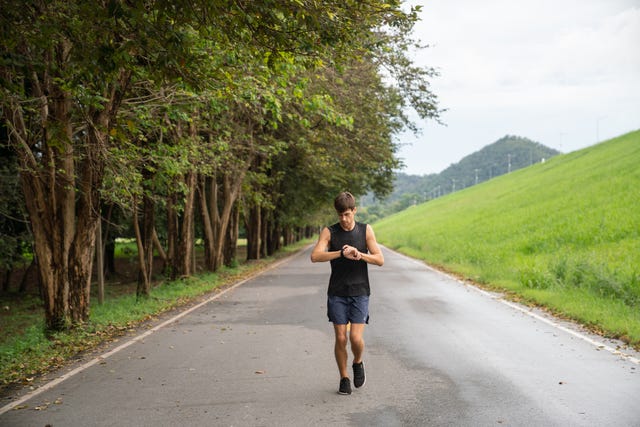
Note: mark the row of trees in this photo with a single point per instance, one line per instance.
(208, 115)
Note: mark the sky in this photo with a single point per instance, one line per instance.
(564, 73)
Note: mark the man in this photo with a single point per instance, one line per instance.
(349, 246)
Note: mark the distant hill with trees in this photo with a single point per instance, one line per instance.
(508, 154)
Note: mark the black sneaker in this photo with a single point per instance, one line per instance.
(345, 386)
(358, 374)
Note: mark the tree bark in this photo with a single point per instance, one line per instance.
(181, 230)
(273, 237)
(217, 205)
(231, 244)
(158, 246)
(100, 262)
(206, 190)
(144, 241)
(252, 224)
(264, 224)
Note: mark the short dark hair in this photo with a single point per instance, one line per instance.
(344, 201)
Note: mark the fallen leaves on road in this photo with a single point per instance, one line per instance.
(46, 404)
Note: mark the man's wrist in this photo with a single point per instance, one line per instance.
(342, 253)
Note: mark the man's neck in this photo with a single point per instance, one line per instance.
(353, 225)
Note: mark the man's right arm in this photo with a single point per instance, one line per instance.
(321, 252)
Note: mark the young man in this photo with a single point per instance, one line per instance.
(350, 246)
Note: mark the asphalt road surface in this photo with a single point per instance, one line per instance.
(439, 353)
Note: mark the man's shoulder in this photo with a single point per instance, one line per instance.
(333, 227)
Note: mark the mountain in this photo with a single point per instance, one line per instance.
(508, 154)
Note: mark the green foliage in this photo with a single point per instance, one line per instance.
(15, 238)
(565, 227)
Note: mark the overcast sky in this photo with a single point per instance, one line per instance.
(565, 73)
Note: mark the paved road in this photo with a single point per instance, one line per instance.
(439, 353)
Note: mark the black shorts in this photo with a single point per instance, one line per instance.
(343, 310)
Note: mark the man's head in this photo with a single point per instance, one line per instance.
(344, 201)
(345, 205)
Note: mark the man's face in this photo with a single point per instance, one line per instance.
(347, 218)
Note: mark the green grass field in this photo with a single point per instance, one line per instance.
(564, 234)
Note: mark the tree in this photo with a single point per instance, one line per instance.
(69, 69)
(66, 67)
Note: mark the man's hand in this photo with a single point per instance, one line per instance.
(352, 253)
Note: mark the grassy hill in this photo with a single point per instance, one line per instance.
(509, 153)
(564, 233)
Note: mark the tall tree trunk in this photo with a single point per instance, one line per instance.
(220, 217)
(144, 241)
(158, 246)
(49, 191)
(232, 183)
(231, 243)
(109, 244)
(172, 233)
(87, 215)
(252, 225)
(100, 262)
(288, 235)
(181, 230)
(264, 224)
(187, 241)
(206, 190)
(272, 237)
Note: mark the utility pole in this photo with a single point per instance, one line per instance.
(509, 163)
(476, 176)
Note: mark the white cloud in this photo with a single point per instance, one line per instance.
(562, 72)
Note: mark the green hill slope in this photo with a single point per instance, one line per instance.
(509, 153)
(564, 233)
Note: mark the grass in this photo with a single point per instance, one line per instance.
(564, 234)
(26, 351)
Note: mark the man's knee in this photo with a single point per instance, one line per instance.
(341, 337)
(355, 335)
(356, 340)
(341, 341)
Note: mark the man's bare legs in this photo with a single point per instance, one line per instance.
(340, 349)
(357, 341)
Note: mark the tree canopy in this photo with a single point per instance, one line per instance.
(207, 117)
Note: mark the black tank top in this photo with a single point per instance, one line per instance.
(349, 278)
